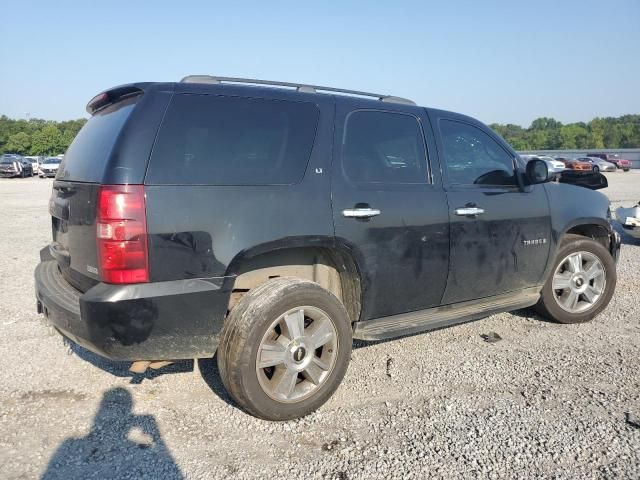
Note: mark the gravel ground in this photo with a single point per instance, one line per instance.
(548, 400)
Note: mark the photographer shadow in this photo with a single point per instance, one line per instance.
(120, 444)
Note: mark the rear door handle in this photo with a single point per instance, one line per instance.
(469, 211)
(360, 212)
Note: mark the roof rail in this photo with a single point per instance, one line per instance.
(300, 87)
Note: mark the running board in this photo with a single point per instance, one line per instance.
(447, 315)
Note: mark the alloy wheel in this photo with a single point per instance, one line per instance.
(297, 354)
(579, 282)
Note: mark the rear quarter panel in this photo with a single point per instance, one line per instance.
(202, 231)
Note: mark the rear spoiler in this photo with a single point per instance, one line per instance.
(111, 96)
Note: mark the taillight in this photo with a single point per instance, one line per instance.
(121, 231)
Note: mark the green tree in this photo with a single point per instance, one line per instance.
(18, 143)
(612, 135)
(596, 133)
(545, 123)
(546, 133)
(47, 141)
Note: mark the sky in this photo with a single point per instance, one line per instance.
(498, 61)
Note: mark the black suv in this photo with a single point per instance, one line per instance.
(273, 222)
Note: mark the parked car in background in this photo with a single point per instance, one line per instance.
(630, 219)
(49, 167)
(556, 167)
(27, 167)
(598, 164)
(621, 163)
(35, 162)
(575, 164)
(12, 165)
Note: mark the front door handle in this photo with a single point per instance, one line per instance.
(360, 212)
(469, 211)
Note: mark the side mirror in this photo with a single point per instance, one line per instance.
(537, 171)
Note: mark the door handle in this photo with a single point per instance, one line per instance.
(469, 211)
(360, 212)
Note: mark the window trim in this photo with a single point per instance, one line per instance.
(428, 180)
(474, 186)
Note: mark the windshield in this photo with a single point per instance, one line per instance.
(7, 161)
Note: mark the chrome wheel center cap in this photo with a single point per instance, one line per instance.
(299, 354)
(579, 284)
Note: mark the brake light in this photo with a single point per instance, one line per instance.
(121, 231)
(98, 102)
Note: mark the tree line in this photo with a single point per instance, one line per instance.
(37, 136)
(549, 134)
(44, 137)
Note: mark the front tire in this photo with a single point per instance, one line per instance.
(596, 169)
(581, 283)
(285, 348)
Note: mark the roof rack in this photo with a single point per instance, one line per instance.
(300, 87)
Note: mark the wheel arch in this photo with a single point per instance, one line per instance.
(595, 228)
(317, 259)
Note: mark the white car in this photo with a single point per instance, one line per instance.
(555, 166)
(49, 167)
(35, 163)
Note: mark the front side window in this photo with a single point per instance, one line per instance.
(474, 158)
(383, 148)
(218, 140)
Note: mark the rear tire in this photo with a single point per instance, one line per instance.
(596, 169)
(581, 283)
(300, 332)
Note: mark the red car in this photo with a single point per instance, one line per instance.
(614, 158)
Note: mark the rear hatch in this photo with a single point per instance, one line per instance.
(75, 191)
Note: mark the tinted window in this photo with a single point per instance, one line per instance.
(383, 147)
(216, 140)
(87, 155)
(473, 157)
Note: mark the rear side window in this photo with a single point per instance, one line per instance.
(383, 148)
(217, 140)
(86, 157)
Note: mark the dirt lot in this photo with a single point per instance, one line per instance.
(548, 400)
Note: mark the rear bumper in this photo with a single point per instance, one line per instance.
(153, 321)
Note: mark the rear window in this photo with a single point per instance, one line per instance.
(218, 140)
(86, 158)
